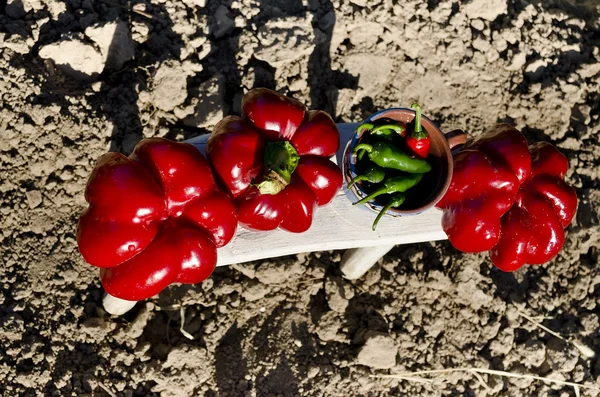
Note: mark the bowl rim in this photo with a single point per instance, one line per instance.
(349, 171)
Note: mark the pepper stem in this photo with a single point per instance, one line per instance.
(378, 192)
(361, 148)
(357, 179)
(396, 201)
(365, 126)
(418, 132)
(398, 129)
(280, 161)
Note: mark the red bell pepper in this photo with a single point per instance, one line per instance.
(155, 217)
(508, 198)
(274, 161)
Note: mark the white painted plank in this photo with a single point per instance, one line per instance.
(339, 225)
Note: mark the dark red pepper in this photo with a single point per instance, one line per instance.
(508, 198)
(155, 218)
(274, 161)
(418, 140)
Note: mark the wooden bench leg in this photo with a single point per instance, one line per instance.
(116, 306)
(357, 261)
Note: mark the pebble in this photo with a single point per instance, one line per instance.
(34, 198)
(486, 9)
(378, 352)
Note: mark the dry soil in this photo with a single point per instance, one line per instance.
(80, 77)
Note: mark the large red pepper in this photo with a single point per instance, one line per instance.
(274, 161)
(508, 198)
(155, 217)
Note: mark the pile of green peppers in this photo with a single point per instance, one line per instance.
(387, 169)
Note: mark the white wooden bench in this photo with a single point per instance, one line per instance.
(336, 226)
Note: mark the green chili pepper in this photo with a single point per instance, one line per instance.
(373, 174)
(393, 185)
(385, 131)
(388, 129)
(388, 156)
(395, 202)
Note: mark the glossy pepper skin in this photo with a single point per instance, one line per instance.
(418, 141)
(508, 198)
(386, 155)
(274, 161)
(154, 218)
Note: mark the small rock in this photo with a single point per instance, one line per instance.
(74, 58)
(535, 70)
(338, 293)
(481, 45)
(95, 327)
(329, 327)
(247, 269)
(365, 34)
(472, 295)
(298, 85)
(591, 70)
(208, 110)
(114, 41)
(532, 352)
(379, 352)
(195, 3)
(29, 5)
(312, 372)
(224, 24)
(504, 342)
(34, 198)
(284, 40)
(139, 31)
(478, 24)
(255, 291)
(169, 86)
(518, 61)
(486, 9)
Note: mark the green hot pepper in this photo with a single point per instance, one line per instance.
(385, 130)
(395, 202)
(388, 156)
(393, 185)
(373, 174)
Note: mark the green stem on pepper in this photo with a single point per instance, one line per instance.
(393, 185)
(280, 162)
(387, 129)
(396, 201)
(418, 140)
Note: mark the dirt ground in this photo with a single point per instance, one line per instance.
(80, 77)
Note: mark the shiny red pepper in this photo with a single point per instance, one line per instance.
(508, 198)
(155, 218)
(274, 161)
(418, 141)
